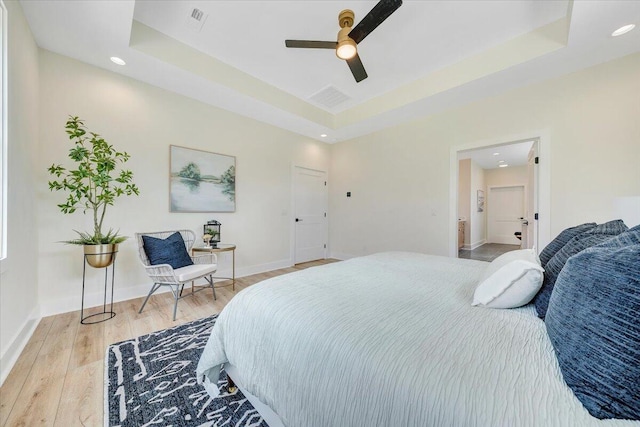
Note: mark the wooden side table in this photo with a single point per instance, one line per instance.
(221, 247)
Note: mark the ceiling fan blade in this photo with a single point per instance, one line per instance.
(375, 17)
(357, 69)
(310, 44)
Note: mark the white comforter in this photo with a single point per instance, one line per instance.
(390, 340)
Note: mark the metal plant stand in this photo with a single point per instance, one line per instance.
(106, 314)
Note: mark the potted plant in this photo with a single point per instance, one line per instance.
(93, 185)
(209, 237)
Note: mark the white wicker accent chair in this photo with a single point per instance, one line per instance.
(164, 275)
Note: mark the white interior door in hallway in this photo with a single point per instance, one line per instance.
(310, 210)
(505, 208)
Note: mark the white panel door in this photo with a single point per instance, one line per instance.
(505, 208)
(310, 199)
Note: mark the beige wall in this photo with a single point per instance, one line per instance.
(464, 197)
(471, 179)
(513, 175)
(478, 231)
(18, 279)
(144, 121)
(400, 176)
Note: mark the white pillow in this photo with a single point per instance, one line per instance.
(511, 280)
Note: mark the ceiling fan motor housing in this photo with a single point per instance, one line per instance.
(346, 48)
(345, 19)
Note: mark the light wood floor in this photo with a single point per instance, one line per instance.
(58, 379)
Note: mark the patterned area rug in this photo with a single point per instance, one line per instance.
(151, 381)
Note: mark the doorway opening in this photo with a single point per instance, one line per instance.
(497, 199)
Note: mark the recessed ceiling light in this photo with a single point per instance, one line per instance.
(504, 165)
(496, 154)
(324, 135)
(500, 161)
(117, 60)
(623, 30)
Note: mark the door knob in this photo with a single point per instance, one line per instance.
(298, 219)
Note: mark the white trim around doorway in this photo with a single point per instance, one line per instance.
(544, 183)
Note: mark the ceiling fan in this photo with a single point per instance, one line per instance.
(348, 38)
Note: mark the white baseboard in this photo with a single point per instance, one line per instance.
(95, 299)
(472, 246)
(18, 343)
(261, 268)
(341, 256)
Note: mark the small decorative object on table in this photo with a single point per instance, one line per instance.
(211, 231)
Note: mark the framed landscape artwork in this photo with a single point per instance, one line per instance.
(480, 201)
(201, 181)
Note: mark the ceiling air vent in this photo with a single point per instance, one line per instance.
(197, 14)
(196, 19)
(329, 97)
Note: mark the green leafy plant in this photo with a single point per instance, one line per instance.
(94, 184)
(213, 233)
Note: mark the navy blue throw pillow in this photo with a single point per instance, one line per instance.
(593, 325)
(552, 269)
(565, 235)
(629, 237)
(170, 251)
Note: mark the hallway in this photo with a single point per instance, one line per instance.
(487, 252)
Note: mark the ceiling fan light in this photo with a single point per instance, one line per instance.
(346, 49)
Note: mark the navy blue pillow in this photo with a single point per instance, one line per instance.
(593, 323)
(629, 237)
(552, 269)
(170, 251)
(565, 235)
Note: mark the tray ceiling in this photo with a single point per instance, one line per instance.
(427, 57)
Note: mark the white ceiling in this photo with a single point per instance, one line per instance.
(411, 43)
(515, 154)
(427, 57)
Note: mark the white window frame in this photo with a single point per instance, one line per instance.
(3, 134)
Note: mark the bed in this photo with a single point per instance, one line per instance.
(390, 339)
